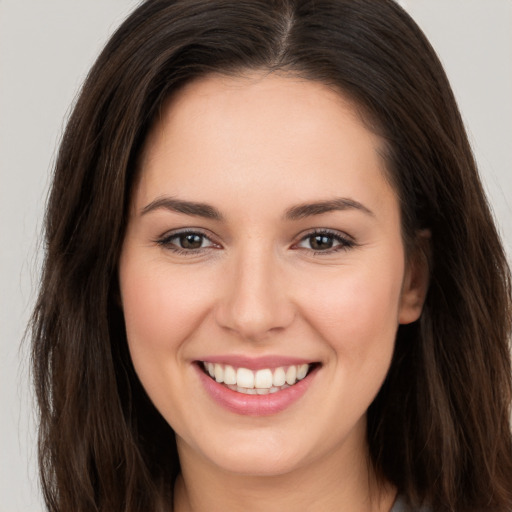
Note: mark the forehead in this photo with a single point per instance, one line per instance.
(241, 133)
(259, 98)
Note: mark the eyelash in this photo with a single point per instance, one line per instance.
(345, 243)
(168, 242)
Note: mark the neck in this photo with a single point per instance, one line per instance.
(341, 480)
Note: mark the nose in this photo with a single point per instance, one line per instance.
(255, 301)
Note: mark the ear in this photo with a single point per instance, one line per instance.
(416, 279)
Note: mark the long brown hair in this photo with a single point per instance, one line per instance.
(439, 428)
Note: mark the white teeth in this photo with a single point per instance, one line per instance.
(219, 373)
(244, 378)
(229, 375)
(302, 371)
(259, 382)
(291, 375)
(253, 391)
(279, 377)
(263, 379)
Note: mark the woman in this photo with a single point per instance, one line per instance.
(272, 278)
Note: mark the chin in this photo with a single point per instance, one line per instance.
(250, 453)
(260, 464)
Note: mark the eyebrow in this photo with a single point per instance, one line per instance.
(187, 207)
(318, 208)
(297, 212)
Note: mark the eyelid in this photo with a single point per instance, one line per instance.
(345, 241)
(165, 240)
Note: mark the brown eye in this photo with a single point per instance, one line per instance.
(321, 242)
(190, 241)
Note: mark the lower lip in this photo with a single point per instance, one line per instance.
(255, 405)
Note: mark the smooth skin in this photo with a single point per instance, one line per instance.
(330, 285)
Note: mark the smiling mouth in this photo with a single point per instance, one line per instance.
(260, 382)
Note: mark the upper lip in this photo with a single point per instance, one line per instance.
(255, 363)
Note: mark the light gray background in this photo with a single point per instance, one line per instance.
(46, 48)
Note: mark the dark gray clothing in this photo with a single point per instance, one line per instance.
(401, 506)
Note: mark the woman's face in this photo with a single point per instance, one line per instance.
(264, 242)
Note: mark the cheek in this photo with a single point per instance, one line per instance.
(161, 309)
(357, 309)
